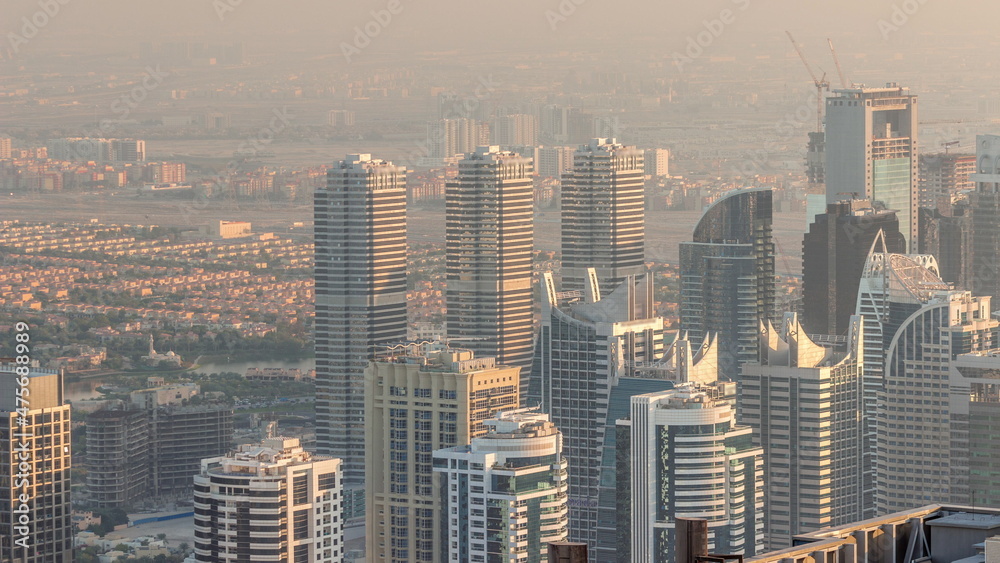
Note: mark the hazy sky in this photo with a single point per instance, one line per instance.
(513, 24)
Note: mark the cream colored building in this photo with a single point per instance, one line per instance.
(39, 530)
(805, 403)
(418, 399)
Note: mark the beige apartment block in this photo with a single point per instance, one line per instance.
(418, 399)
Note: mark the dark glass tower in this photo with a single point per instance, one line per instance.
(833, 256)
(727, 275)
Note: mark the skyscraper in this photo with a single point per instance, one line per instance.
(603, 215)
(271, 501)
(504, 494)
(871, 150)
(489, 246)
(727, 275)
(688, 458)
(584, 350)
(36, 524)
(360, 295)
(892, 287)
(834, 251)
(805, 404)
(925, 424)
(986, 219)
(418, 399)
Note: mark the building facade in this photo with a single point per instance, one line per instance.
(360, 295)
(504, 495)
(657, 163)
(871, 151)
(948, 236)
(118, 462)
(921, 454)
(152, 446)
(834, 251)
(516, 129)
(271, 501)
(945, 179)
(451, 138)
(180, 437)
(727, 276)
(418, 399)
(584, 349)
(892, 287)
(603, 215)
(805, 403)
(688, 458)
(36, 524)
(489, 236)
(986, 218)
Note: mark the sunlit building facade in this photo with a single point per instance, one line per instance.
(360, 268)
(489, 238)
(871, 151)
(503, 496)
(603, 215)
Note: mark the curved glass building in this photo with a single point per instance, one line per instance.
(727, 275)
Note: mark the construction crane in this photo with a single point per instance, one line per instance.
(821, 83)
(836, 61)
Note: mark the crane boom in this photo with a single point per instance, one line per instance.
(836, 61)
(802, 56)
(820, 83)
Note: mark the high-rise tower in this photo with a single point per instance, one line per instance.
(986, 219)
(834, 251)
(421, 398)
(508, 487)
(360, 295)
(603, 215)
(586, 350)
(489, 245)
(682, 455)
(871, 150)
(727, 275)
(36, 525)
(928, 426)
(271, 501)
(805, 404)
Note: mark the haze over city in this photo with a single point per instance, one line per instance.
(546, 280)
